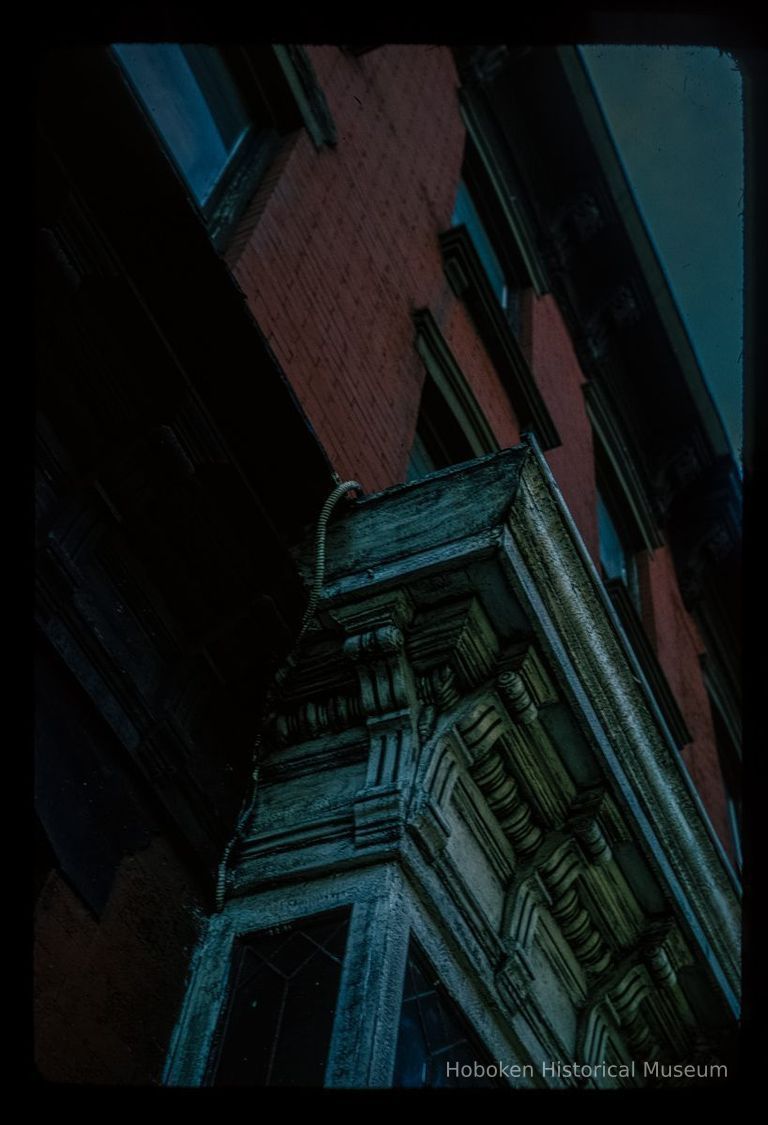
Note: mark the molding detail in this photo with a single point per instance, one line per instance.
(624, 462)
(516, 697)
(301, 77)
(619, 309)
(462, 630)
(596, 824)
(480, 733)
(420, 736)
(443, 368)
(559, 874)
(576, 224)
(571, 598)
(375, 643)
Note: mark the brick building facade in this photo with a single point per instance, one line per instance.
(404, 259)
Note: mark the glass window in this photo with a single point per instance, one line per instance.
(276, 1028)
(465, 213)
(440, 439)
(434, 1041)
(194, 104)
(613, 556)
(617, 558)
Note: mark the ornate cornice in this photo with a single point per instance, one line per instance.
(420, 728)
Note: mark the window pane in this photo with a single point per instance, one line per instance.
(465, 212)
(193, 103)
(277, 1026)
(440, 438)
(613, 556)
(433, 1033)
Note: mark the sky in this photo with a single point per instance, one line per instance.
(675, 113)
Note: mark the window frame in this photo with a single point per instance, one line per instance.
(279, 90)
(471, 283)
(618, 482)
(447, 386)
(450, 1008)
(627, 546)
(239, 949)
(493, 152)
(619, 472)
(484, 200)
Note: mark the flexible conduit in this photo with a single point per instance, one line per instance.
(285, 668)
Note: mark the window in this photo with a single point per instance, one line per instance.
(440, 440)
(220, 113)
(451, 427)
(624, 529)
(194, 104)
(218, 142)
(277, 1024)
(485, 269)
(479, 209)
(618, 551)
(616, 557)
(465, 213)
(624, 532)
(434, 1043)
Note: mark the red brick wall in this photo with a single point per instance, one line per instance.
(339, 251)
(678, 647)
(550, 353)
(108, 990)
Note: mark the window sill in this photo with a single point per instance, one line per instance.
(237, 187)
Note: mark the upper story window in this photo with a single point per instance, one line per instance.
(218, 141)
(220, 113)
(617, 556)
(451, 427)
(465, 213)
(194, 104)
(440, 439)
(485, 269)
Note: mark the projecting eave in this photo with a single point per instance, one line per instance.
(497, 528)
(463, 747)
(648, 261)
